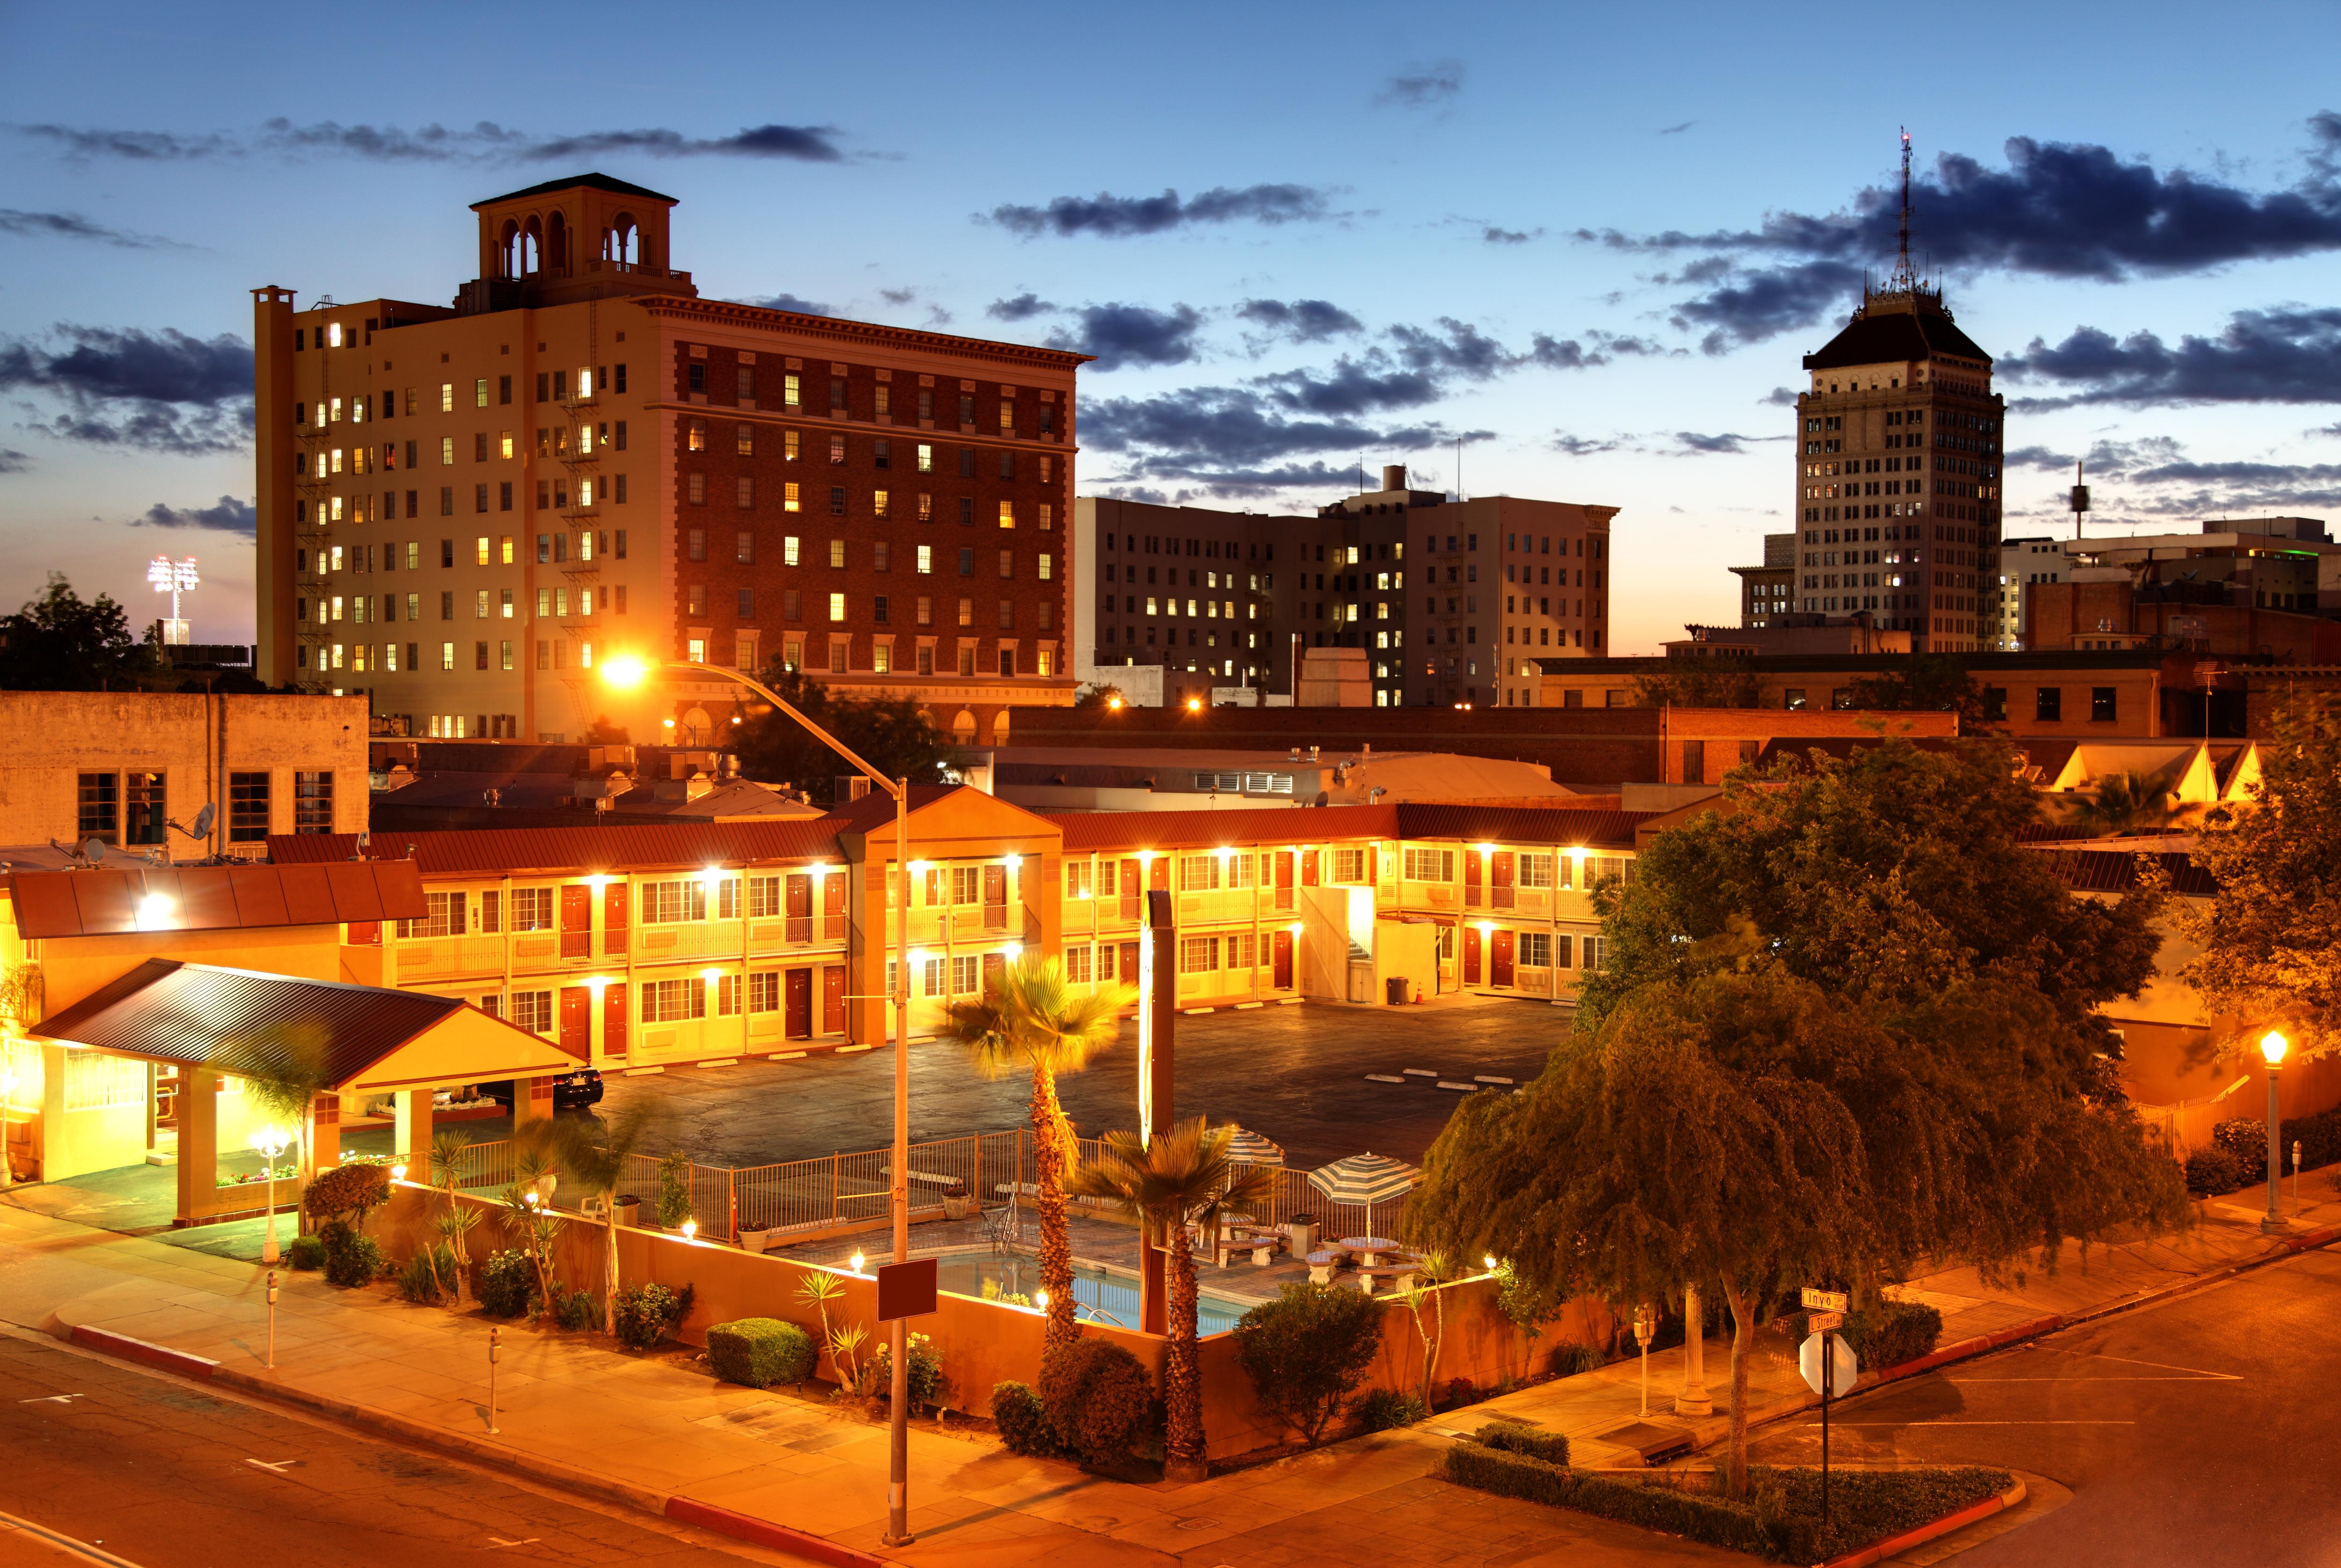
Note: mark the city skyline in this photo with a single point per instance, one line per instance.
(1621, 275)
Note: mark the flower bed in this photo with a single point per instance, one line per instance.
(1781, 1520)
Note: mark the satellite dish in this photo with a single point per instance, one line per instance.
(93, 850)
(364, 838)
(204, 820)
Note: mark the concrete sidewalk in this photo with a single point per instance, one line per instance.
(645, 1427)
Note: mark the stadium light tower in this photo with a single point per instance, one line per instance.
(174, 578)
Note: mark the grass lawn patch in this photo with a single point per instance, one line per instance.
(1781, 1520)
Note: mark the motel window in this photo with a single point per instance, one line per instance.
(1597, 952)
(964, 974)
(673, 1001)
(100, 814)
(1349, 864)
(145, 807)
(764, 989)
(1198, 955)
(1536, 871)
(1243, 948)
(443, 916)
(531, 909)
(1078, 968)
(533, 1011)
(1430, 864)
(1536, 950)
(727, 995)
(313, 802)
(1198, 873)
(247, 807)
(763, 898)
(1080, 875)
(671, 903)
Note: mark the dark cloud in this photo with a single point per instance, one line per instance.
(1127, 335)
(2065, 210)
(1570, 445)
(1210, 429)
(12, 461)
(229, 516)
(1493, 235)
(790, 303)
(898, 295)
(1420, 86)
(1693, 443)
(2284, 355)
(1300, 320)
(2035, 458)
(70, 226)
(1023, 307)
(431, 143)
(160, 391)
(1118, 218)
(1780, 397)
(1677, 130)
(136, 146)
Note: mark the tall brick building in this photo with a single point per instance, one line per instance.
(462, 509)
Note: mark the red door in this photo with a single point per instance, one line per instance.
(1499, 960)
(613, 922)
(995, 898)
(1157, 873)
(832, 910)
(1129, 890)
(1285, 961)
(576, 923)
(1308, 868)
(798, 1018)
(613, 1021)
(1284, 879)
(1471, 870)
(1470, 955)
(1500, 879)
(799, 908)
(577, 1021)
(1129, 969)
(995, 965)
(832, 999)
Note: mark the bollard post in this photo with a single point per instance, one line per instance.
(272, 1320)
(495, 1342)
(2296, 1178)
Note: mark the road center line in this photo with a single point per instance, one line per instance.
(2162, 1365)
(1815, 1424)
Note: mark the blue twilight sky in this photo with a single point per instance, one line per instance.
(1591, 241)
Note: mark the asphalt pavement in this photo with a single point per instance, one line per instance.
(2200, 1431)
(1296, 1073)
(162, 1475)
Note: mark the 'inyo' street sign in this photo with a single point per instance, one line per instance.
(1826, 1301)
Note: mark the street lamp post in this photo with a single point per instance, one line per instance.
(2272, 1048)
(7, 1096)
(271, 1142)
(631, 671)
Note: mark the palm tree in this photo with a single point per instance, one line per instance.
(2125, 803)
(283, 1071)
(1181, 1178)
(592, 1153)
(1029, 1019)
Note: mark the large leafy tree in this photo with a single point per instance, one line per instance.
(2125, 803)
(1702, 683)
(1922, 683)
(2271, 935)
(59, 642)
(1030, 1020)
(1179, 1180)
(898, 739)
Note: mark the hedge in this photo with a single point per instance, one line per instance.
(1896, 1332)
(1779, 1521)
(759, 1352)
(1552, 1447)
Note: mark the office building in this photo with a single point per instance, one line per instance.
(463, 508)
(1768, 592)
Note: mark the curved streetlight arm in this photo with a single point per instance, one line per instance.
(773, 698)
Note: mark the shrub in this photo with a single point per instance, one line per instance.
(507, 1284)
(1895, 1332)
(1023, 1422)
(428, 1275)
(674, 1190)
(2245, 1137)
(305, 1253)
(926, 1378)
(351, 1259)
(648, 1313)
(579, 1310)
(1552, 1447)
(759, 1352)
(2319, 1137)
(2211, 1170)
(1379, 1409)
(1575, 1357)
(1307, 1351)
(346, 1190)
(1099, 1400)
(1462, 1391)
(1699, 1516)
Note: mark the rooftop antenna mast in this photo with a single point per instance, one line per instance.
(2080, 498)
(1904, 279)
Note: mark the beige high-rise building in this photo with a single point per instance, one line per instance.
(462, 509)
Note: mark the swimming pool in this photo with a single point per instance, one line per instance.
(1104, 1294)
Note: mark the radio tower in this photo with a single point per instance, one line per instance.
(1904, 279)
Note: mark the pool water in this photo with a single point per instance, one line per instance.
(1097, 1293)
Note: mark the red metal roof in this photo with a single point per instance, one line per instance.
(1103, 831)
(1563, 824)
(2115, 871)
(213, 897)
(493, 852)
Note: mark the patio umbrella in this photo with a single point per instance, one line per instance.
(1364, 1179)
(1252, 1149)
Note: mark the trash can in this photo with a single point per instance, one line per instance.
(1301, 1234)
(1395, 990)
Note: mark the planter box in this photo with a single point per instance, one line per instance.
(753, 1240)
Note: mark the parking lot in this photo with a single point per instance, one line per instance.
(1295, 1073)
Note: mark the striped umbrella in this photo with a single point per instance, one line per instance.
(1252, 1149)
(1364, 1179)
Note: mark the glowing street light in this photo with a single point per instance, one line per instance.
(2272, 1049)
(270, 1142)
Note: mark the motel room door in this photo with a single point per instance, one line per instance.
(1129, 970)
(1283, 858)
(1499, 960)
(832, 910)
(576, 924)
(577, 1016)
(1284, 957)
(1470, 955)
(1472, 866)
(614, 1019)
(798, 891)
(797, 1019)
(614, 927)
(833, 997)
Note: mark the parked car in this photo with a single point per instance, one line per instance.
(575, 1091)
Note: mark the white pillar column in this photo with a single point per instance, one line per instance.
(1693, 1400)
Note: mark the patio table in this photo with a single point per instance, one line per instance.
(1369, 1249)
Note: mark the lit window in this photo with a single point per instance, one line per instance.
(837, 606)
(789, 551)
(926, 559)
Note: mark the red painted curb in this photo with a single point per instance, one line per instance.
(139, 1350)
(1877, 1552)
(763, 1532)
(1979, 1345)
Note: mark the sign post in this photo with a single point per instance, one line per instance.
(1646, 1329)
(1828, 1366)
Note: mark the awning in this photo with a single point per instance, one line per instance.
(374, 1040)
(213, 897)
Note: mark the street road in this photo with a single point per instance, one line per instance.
(2200, 1431)
(167, 1476)
(1297, 1074)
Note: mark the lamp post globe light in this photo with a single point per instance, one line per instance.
(2272, 1049)
(270, 1142)
(629, 670)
